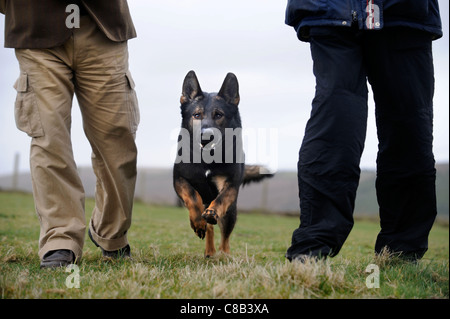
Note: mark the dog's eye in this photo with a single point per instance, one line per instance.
(218, 116)
(197, 116)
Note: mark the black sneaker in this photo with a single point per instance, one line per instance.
(124, 252)
(58, 258)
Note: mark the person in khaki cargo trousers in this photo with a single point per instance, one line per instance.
(57, 60)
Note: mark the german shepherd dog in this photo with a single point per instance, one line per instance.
(209, 168)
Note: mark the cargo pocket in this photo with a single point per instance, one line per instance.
(133, 107)
(26, 110)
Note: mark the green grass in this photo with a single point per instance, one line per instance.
(168, 261)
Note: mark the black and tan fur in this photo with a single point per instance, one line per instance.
(210, 190)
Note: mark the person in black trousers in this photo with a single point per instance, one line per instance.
(388, 43)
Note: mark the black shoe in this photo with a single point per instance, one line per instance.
(306, 258)
(124, 252)
(302, 258)
(58, 258)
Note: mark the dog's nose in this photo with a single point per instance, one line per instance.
(207, 131)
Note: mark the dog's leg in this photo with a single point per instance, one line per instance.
(210, 250)
(194, 203)
(219, 206)
(226, 225)
(223, 210)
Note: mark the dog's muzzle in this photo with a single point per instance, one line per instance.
(210, 138)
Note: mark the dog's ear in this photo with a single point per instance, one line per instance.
(191, 88)
(230, 89)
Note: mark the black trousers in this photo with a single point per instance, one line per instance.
(397, 62)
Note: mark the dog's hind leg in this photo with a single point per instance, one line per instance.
(210, 250)
(226, 224)
(194, 203)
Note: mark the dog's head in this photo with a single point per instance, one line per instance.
(211, 113)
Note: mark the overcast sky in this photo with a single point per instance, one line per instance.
(213, 37)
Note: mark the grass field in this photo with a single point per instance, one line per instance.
(168, 262)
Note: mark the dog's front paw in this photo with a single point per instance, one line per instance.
(199, 228)
(200, 233)
(210, 216)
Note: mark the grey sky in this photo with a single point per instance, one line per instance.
(213, 37)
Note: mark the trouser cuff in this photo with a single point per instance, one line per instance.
(62, 244)
(106, 243)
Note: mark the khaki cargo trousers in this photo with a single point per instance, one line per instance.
(96, 70)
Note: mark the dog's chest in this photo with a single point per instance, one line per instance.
(218, 181)
(209, 186)
(207, 182)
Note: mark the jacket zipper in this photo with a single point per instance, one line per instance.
(355, 8)
(354, 16)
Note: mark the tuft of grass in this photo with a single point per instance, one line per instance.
(168, 262)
